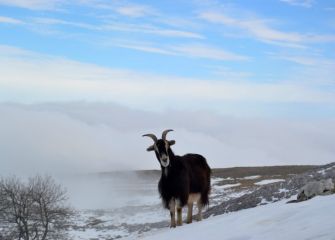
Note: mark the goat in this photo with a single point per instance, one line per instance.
(184, 179)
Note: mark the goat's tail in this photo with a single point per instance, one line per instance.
(207, 189)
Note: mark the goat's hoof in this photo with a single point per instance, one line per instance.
(173, 226)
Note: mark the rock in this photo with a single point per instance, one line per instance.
(314, 188)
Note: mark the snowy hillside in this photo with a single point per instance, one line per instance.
(131, 207)
(313, 219)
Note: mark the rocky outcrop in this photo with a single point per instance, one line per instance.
(273, 192)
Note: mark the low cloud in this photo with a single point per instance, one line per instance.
(98, 137)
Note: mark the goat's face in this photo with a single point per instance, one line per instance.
(161, 148)
(162, 152)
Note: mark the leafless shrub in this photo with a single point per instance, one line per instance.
(35, 209)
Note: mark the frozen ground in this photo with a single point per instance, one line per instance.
(268, 181)
(309, 220)
(141, 208)
(128, 206)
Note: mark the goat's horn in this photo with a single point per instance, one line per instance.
(152, 136)
(165, 132)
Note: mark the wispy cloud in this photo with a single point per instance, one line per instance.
(315, 61)
(70, 80)
(55, 21)
(122, 27)
(329, 9)
(309, 68)
(149, 29)
(262, 30)
(205, 51)
(227, 74)
(34, 4)
(300, 3)
(255, 27)
(144, 47)
(191, 50)
(10, 20)
(135, 10)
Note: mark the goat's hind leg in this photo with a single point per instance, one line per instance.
(189, 212)
(199, 205)
(179, 216)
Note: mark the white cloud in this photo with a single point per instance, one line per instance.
(47, 78)
(203, 51)
(33, 4)
(144, 47)
(10, 20)
(255, 27)
(122, 27)
(261, 29)
(229, 74)
(315, 61)
(310, 68)
(149, 29)
(55, 21)
(135, 10)
(190, 50)
(301, 3)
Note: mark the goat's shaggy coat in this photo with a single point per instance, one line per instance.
(185, 175)
(184, 179)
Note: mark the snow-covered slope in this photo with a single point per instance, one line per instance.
(312, 220)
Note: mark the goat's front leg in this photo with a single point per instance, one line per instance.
(179, 213)
(172, 206)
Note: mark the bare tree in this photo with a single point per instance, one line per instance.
(33, 210)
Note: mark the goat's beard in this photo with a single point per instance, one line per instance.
(165, 164)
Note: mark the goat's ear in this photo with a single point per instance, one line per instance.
(151, 148)
(171, 142)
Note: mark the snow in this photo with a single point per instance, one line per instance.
(251, 177)
(96, 234)
(283, 190)
(312, 220)
(216, 180)
(225, 186)
(268, 181)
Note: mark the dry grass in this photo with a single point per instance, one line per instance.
(237, 174)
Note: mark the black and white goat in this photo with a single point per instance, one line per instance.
(184, 180)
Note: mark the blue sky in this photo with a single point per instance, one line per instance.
(241, 82)
(235, 57)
